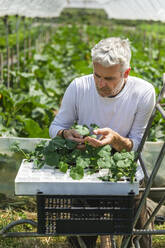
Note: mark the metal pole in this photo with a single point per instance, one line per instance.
(35, 234)
(24, 33)
(150, 46)
(146, 192)
(144, 168)
(46, 37)
(153, 189)
(113, 243)
(17, 40)
(145, 135)
(36, 45)
(152, 232)
(152, 215)
(1, 65)
(162, 92)
(161, 110)
(8, 69)
(36, 38)
(159, 48)
(29, 40)
(144, 40)
(11, 58)
(81, 242)
(7, 48)
(137, 244)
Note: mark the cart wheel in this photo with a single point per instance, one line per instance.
(159, 220)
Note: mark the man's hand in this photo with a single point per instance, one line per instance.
(108, 136)
(73, 135)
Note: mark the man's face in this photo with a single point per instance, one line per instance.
(108, 78)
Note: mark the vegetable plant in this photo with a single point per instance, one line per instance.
(62, 154)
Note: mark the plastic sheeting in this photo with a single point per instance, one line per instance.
(126, 9)
(150, 155)
(139, 9)
(32, 8)
(90, 4)
(25, 143)
(117, 9)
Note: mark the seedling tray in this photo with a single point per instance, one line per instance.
(49, 181)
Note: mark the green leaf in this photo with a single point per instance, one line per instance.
(52, 159)
(82, 162)
(58, 141)
(105, 178)
(49, 148)
(93, 136)
(121, 164)
(104, 151)
(117, 156)
(75, 153)
(77, 173)
(104, 163)
(81, 129)
(70, 144)
(15, 146)
(94, 126)
(63, 166)
(33, 129)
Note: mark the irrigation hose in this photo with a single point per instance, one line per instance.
(17, 222)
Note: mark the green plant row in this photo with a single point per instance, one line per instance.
(26, 29)
(29, 106)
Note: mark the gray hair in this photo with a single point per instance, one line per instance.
(112, 51)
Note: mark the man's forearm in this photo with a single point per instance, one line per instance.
(119, 143)
(110, 137)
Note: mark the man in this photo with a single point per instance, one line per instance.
(118, 103)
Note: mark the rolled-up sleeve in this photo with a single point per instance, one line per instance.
(144, 111)
(67, 114)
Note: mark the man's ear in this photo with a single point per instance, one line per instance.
(126, 73)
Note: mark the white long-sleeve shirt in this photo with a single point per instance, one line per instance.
(127, 113)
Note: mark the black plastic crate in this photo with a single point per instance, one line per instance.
(85, 214)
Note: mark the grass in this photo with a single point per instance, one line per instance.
(25, 207)
(159, 240)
